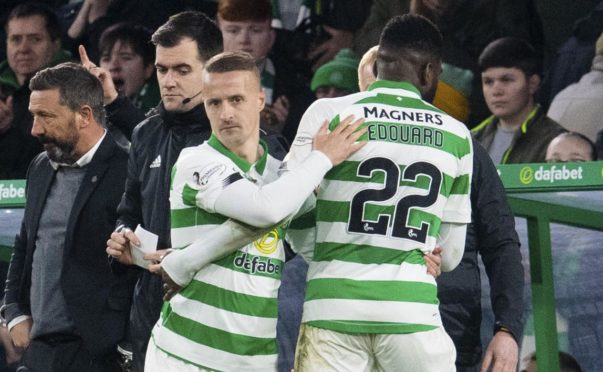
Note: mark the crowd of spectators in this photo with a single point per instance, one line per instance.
(296, 46)
(497, 78)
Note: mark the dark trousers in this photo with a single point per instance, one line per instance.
(64, 353)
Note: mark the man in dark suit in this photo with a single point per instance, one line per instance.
(63, 304)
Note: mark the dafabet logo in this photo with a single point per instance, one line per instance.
(11, 192)
(549, 174)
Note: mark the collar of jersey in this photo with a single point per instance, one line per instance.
(245, 166)
(395, 85)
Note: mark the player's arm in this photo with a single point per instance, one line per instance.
(457, 212)
(452, 240)
(262, 207)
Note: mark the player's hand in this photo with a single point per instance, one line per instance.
(155, 259)
(109, 91)
(502, 354)
(326, 51)
(20, 333)
(433, 261)
(342, 142)
(6, 113)
(118, 246)
(169, 287)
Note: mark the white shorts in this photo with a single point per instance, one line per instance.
(325, 350)
(159, 361)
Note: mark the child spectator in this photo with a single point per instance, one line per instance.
(518, 130)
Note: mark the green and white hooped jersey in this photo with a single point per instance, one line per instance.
(226, 318)
(378, 212)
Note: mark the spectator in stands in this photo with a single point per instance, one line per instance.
(63, 303)
(88, 14)
(338, 77)
(518, 130)
(579, 106)
(246, 26)
(33, 43)
(573, 59)
(16, 149)
(183, 45)
(128, 55)
(366, 68)
(572, 147)
(467, 27)
(567, 363)
(331, 26)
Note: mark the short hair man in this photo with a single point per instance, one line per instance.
(183, 45)
(518, 130)
(246, 26)
(237, 183)
(369, 302)
(125, 51)
(63, 304)
(32, 43)
(570, 147)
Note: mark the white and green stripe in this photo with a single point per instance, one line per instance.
(370, 282)
(225, 319)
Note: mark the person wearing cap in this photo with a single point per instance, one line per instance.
(338, 77)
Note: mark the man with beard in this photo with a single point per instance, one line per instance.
(63, 304)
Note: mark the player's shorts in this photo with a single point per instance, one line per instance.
(157, 360)
(325, 350)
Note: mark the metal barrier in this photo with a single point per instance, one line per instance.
(535, 191)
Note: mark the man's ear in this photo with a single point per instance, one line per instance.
(431, 72)
(533, 83)
(86, 116)
(261, 99)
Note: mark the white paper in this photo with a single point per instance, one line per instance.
(148, 244)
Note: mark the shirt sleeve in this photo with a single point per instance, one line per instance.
(219, 188)
(309, 125)
(458, 205)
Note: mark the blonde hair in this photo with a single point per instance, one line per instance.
(368, 59)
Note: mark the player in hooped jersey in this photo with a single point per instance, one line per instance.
(369, 304)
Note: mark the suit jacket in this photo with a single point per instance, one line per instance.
(98, 300)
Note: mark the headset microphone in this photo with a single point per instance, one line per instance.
(187, 100)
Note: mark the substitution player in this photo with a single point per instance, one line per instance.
(369, 304)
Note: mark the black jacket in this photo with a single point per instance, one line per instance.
(491, 234)
(98, 301)
(156, 145)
